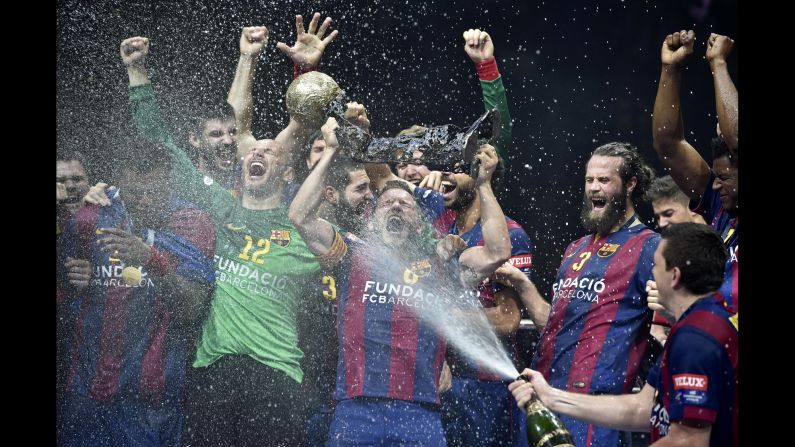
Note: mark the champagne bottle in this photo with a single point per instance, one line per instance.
(544, 429)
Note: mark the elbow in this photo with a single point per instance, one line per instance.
(296, 215)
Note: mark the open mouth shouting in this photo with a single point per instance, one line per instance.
(256, 168)
(598, 203)
(394, 223)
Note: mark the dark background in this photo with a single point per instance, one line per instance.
(578, 74)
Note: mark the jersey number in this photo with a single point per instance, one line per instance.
(583, 257)
(264, 243)
(330, 291)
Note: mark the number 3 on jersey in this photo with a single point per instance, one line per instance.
(330, 289)
(262, 243)
(577, 266)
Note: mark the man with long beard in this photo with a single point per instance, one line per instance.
(598, 328)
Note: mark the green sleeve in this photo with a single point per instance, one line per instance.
(186, 181)
(494, 97)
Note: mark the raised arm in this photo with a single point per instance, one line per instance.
(305, 54)
(726, 105)
(480, 49)
(187, 182)
(485, 259)
(625, 412)
(318, 233)
(253, 39)
(688, 168)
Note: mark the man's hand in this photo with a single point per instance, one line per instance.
(522, 391)
(123, 245)
(96, 195)
(253, 40)
(432, 181)
(357, 115)
(450, 247)
(653, 300)
(78, 272)
(328, 134)
(478, 45)
(488, 160)
(718, 48)
(511, 276)
(134, 51)
(677, 48)
(309, 45)
(445, 378)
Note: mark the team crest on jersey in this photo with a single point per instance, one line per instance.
(280, 237)
(607, 249)
(417, 270)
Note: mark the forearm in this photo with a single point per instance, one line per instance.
(137, 76)
(667, 127)
(241, 98)
(726, 104)
(495, 230)
(316, 232)
(537, 308)
(294, 136)
(623, 412)
(494, 97)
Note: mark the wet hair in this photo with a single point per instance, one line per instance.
(699, 253)
(339, 174)
(140, 157)
(220, 110)
(72, 155)
(632, 165)
(721, 149)
(665, 188)
(395, 184)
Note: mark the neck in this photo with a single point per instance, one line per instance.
(266, 200)
(468, 217)
(682, 301)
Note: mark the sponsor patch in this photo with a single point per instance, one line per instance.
(690, 382)
(280, 237)
(521, 261)
(607, 250)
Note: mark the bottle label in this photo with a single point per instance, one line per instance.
(552, 434)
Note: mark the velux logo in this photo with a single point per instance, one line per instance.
(690, 382)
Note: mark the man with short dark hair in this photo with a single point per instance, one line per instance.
(670, 204)
(690, 397)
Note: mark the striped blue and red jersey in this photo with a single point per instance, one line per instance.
(124, 343)
(598, 326)
(386, 350)
(696, 376)
(727, 224)
(521, 258)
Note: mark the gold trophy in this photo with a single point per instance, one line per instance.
(309, 96)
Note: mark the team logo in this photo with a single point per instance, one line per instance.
(280, 237)
(607, 250)
(417, 270)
